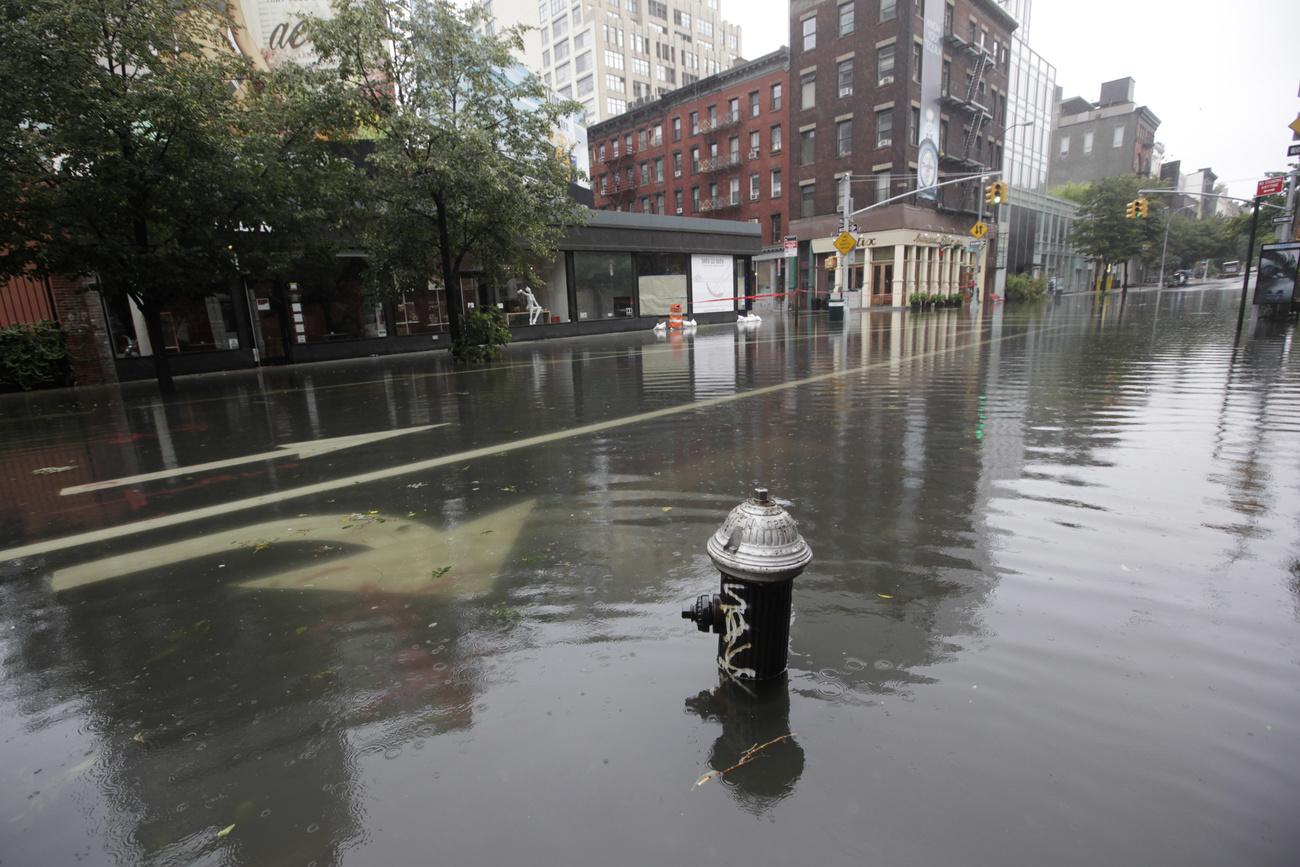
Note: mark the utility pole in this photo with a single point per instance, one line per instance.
(1250, 259)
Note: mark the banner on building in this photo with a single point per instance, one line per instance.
(271, 32)
(927, 158)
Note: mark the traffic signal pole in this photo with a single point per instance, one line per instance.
(1250, 258)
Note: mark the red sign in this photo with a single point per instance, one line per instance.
(791, 246)
(1269, 187)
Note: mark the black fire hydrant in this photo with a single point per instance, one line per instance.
(759, 552)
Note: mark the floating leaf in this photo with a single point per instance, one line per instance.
(226, 830)
(300, 630)
(883, 596)
(668, 508)
(440, 571)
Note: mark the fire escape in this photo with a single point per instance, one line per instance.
(968, 104)
(621, 187)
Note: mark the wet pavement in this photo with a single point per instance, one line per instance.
(385, 612)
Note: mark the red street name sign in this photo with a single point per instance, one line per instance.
(1269, 187)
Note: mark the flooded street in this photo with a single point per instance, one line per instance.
(386, 612)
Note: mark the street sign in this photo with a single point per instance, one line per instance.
(978, 230)
(1269, 186)
(791, 246)
(1293, 150)
(1295, 125)
(845, 242)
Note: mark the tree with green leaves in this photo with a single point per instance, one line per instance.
(1101, 228)
(141, 152)
(462, 173)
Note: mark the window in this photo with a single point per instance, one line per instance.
(947, 19)
(919, 5)
(776, 139)
(562, 73)
(810, 33)
(604, 184)
(659, 170)
(677, 126)
(695, 123)
(888, 9)
(776, 229)
(753, 187)
(1087, 142)
(914, 133)
(808, 92)
(776, 97)
(1065, 145)
(845, 76)
(559, 27)
(753, 104)
(806, 200)
(695, 160)
(677, 200)
(882, 186)
(582, 62)
(586, 85)
(885, 128)
(613, 59)
(776, 183)
(546, 57)
(581, 40)
(1118, 140)
(753, 140)
(704, 27)
(916, 62)
(733, 106)
(615, 106)
(846, 19)
(695, 200)
(807, 147)
(640, 66)
(546, 35)
(657, 9)
(561, 49)
(945, 80)
(677, 164)
(615, 83)
(542, 14)
(885, 65)
(844, 138)
(681, 19)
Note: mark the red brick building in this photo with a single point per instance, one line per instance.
(715, 148)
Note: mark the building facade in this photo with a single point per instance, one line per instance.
(886, 91)
(611, 55)
(1114, 136)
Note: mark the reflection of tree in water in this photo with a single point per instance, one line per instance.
(209, 706)
(752, 714)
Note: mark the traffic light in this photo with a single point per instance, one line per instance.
(1141, 207)
(1131, 211)
(995, 193)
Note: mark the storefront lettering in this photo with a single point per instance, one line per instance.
(282, 36)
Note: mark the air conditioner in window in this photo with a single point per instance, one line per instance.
(753, 154)
(885, 143)
(846, 91)
(886, 79)
(753, 197)
(679, 212)
(677, 173)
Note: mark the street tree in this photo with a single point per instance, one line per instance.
(462, 172)
(142, 153)
(1101, 229)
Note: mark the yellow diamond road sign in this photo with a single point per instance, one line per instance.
(978, 230)
(1295, 125)
(845, 242)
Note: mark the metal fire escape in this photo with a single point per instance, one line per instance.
(977, 115)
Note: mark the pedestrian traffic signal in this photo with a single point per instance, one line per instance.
(1141, 207)
(1131, 210)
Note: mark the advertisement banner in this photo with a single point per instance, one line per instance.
(1275, 281)
(272, 31)
(927, 158)
(712, 284)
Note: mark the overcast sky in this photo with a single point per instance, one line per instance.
(1222, 77)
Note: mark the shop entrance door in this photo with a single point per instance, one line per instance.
(882, 284)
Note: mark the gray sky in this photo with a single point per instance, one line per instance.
(1222, 77)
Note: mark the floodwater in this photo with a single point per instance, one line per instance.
(384, 612)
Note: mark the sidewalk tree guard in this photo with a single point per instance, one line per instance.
(463, 171)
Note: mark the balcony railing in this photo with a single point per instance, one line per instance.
(719, 203)
(722, 121)
(720, 162)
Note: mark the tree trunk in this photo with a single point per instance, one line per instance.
(161, 364)
(450, 274)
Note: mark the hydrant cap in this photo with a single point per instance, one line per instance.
(759, 542)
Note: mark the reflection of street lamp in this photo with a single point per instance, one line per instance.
(1168, 222)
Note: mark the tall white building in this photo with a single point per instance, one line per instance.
(609, 54)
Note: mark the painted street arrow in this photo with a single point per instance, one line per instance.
(309, 449)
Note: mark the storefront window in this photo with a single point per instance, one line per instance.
(661, 282)
(191, 325)
(604, 285)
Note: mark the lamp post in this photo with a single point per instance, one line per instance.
(1165, 246)
(1001, 251)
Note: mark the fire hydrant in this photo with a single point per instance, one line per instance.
(759, 552)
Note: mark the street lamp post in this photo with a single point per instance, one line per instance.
(1165, 246)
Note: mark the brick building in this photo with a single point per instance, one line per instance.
(885, 90)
